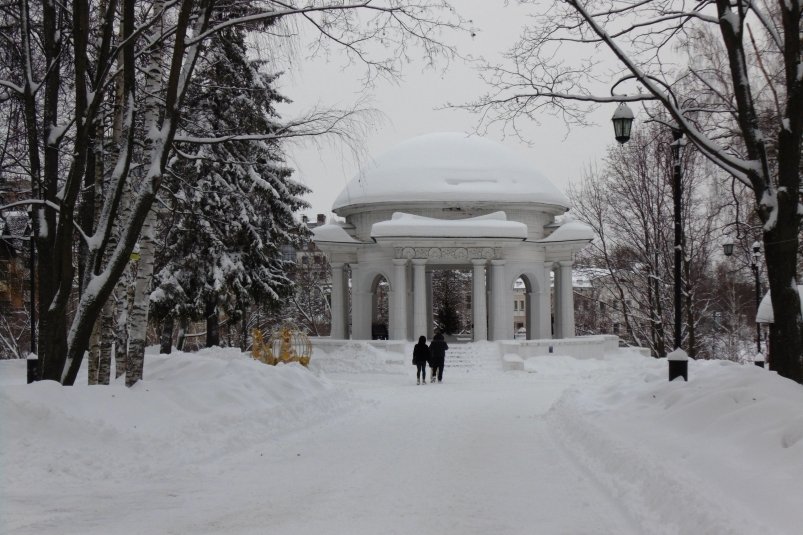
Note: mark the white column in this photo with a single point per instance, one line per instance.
(501, 303)
(557, 303)
(478, 306)
(419, 298)
(398, 312)
(360, 306)
(566, 299)
(339, 313)
(545, 305)
(430, 318)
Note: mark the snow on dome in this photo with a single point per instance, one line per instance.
(450, 166)
(332, 232)
(493, 225)
(571, 231)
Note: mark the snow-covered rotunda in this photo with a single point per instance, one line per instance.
(452, 201)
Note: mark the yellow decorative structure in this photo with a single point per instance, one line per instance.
(259, 350)
(286, 345)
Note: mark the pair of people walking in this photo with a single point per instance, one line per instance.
(434, 355)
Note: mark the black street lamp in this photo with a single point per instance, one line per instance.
(32, 282)
(622, 124)
(727, 246)
(755, 255)
(754, 264)
(677, 194)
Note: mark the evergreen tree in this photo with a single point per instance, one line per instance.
(232, 203)
(449, 289)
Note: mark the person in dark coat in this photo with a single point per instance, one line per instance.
(421, 356)
(438, 349)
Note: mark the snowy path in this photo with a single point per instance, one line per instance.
(218, 443)
(457, 458)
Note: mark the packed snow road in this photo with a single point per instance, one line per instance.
(463, 457)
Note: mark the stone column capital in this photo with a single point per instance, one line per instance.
(479, 262)
(566, 263)
(399, 261)
(419, 261)
(498, 262)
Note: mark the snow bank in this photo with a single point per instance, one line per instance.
(215, 442)
(674, 454)
(188, 408)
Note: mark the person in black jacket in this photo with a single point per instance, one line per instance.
(421, 356)
(438, 349)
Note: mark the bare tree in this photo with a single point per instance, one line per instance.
(748, 98)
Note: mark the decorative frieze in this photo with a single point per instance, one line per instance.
(455, 254)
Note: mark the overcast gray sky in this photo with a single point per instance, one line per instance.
(410, 109)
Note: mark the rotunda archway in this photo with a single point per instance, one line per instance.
(451, 201)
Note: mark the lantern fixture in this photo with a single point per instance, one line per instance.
(727, 246)
(622, 122)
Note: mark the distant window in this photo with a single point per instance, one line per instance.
(602, 306)
(521, 306)
(516, 305)
(305, 260)
(615, 328)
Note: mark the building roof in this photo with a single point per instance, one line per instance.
(571, 231)
(495, 225)
(450, 166)
(332, 232)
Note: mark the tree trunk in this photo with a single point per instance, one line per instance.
(785, 333)
(183, 325)
(166, 338)
(106, 339)
(139, 313)
(138, 321)
(244, 333)
(125, 289)
(212, 323)
(93, 364)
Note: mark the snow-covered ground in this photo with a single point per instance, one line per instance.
(215, 442)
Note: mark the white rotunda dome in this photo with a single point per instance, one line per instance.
(450, 167)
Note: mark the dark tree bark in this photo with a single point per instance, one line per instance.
(212, 323)
(166, 338)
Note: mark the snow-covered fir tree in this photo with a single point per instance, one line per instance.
(231, 203)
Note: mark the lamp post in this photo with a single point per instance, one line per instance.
(755, 255)
(622, 124)
(33, 370)
(677, 191)
(754, 264)
(32, 271)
